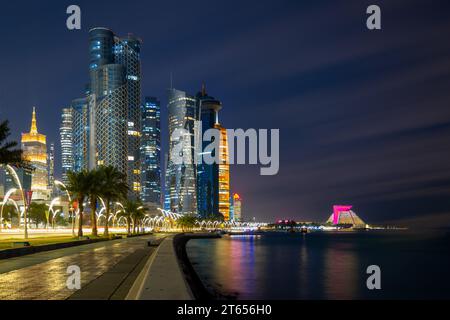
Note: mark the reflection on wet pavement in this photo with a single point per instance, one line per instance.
(47, 280)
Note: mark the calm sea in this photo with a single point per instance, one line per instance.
(324, 265)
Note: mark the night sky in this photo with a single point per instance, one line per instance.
(364, 116)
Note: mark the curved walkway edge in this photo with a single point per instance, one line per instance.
(168, 273)
(161, 278)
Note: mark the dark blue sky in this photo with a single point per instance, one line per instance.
(364, 116)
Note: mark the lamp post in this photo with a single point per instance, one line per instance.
(5, 200)
(70, 204)
(17, 181)
(53, 217)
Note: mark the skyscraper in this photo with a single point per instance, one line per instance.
(116, 85)
(107, 122)
(181, 178)
(51, 166)
(127, 53)
(213, 180)
(66, 131)
(223, 174)
(151, 151)
(237, 207)
(207, 174)
(81, 135)
(34, 146)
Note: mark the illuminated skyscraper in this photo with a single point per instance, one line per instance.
(237, 207)
(81, 136)
(207, 174)
(151, 151)
(106, 123)
(224, 175)
(34, 146)
(181, 177)
(51, 166)
(66, 135)
(127, 53)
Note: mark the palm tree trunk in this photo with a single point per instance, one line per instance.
(106, 233)
(128, 226)
(80, 219)
(93, 216)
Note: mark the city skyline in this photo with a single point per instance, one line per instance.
(342, 103)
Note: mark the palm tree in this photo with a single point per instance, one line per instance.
(127, 216)
(186, 222)
(95, 178)
(133, 213)
(8, 153)
(114, 188)
(79, 186)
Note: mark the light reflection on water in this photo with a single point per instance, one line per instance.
(322, 265)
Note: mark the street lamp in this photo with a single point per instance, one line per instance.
(53, 217)
(57, 182)
(5, 200)
(17, 181)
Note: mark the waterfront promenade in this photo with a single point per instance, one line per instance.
(108, 270)
(162, 277)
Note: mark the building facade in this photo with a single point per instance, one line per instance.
(66, 138)
(34, 146)
(151, 151)
(223, 175)
(237, 207)
(207, 174)
(181, 177)
(81, 134)
(106, 123)
(51, 166)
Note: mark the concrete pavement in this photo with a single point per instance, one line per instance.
(162, 277)
(107, 271)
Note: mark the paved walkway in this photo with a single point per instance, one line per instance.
(43, 275)
(161, 278)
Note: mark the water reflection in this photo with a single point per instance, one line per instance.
(320, 265)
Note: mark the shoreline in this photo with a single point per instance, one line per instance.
(191, 277)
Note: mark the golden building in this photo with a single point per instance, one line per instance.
(34, 146)
(224, 174)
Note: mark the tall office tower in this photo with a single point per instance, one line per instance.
(223, 174)
(237, 207)
(231, 207)
(207, 174)
(166, 199)
(115, 85)
(182, 176)
(34, 146)
(151, 151)
(66, 136)
(127, 53)
(81, 137)
(51, 166)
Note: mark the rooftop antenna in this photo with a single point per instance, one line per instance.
(171, 80)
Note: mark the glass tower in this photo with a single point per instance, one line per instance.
(151, 151)
(51, 166)
(81, 134)
(115, 86)
(181, 178)
(208, 174)
(66, 131)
